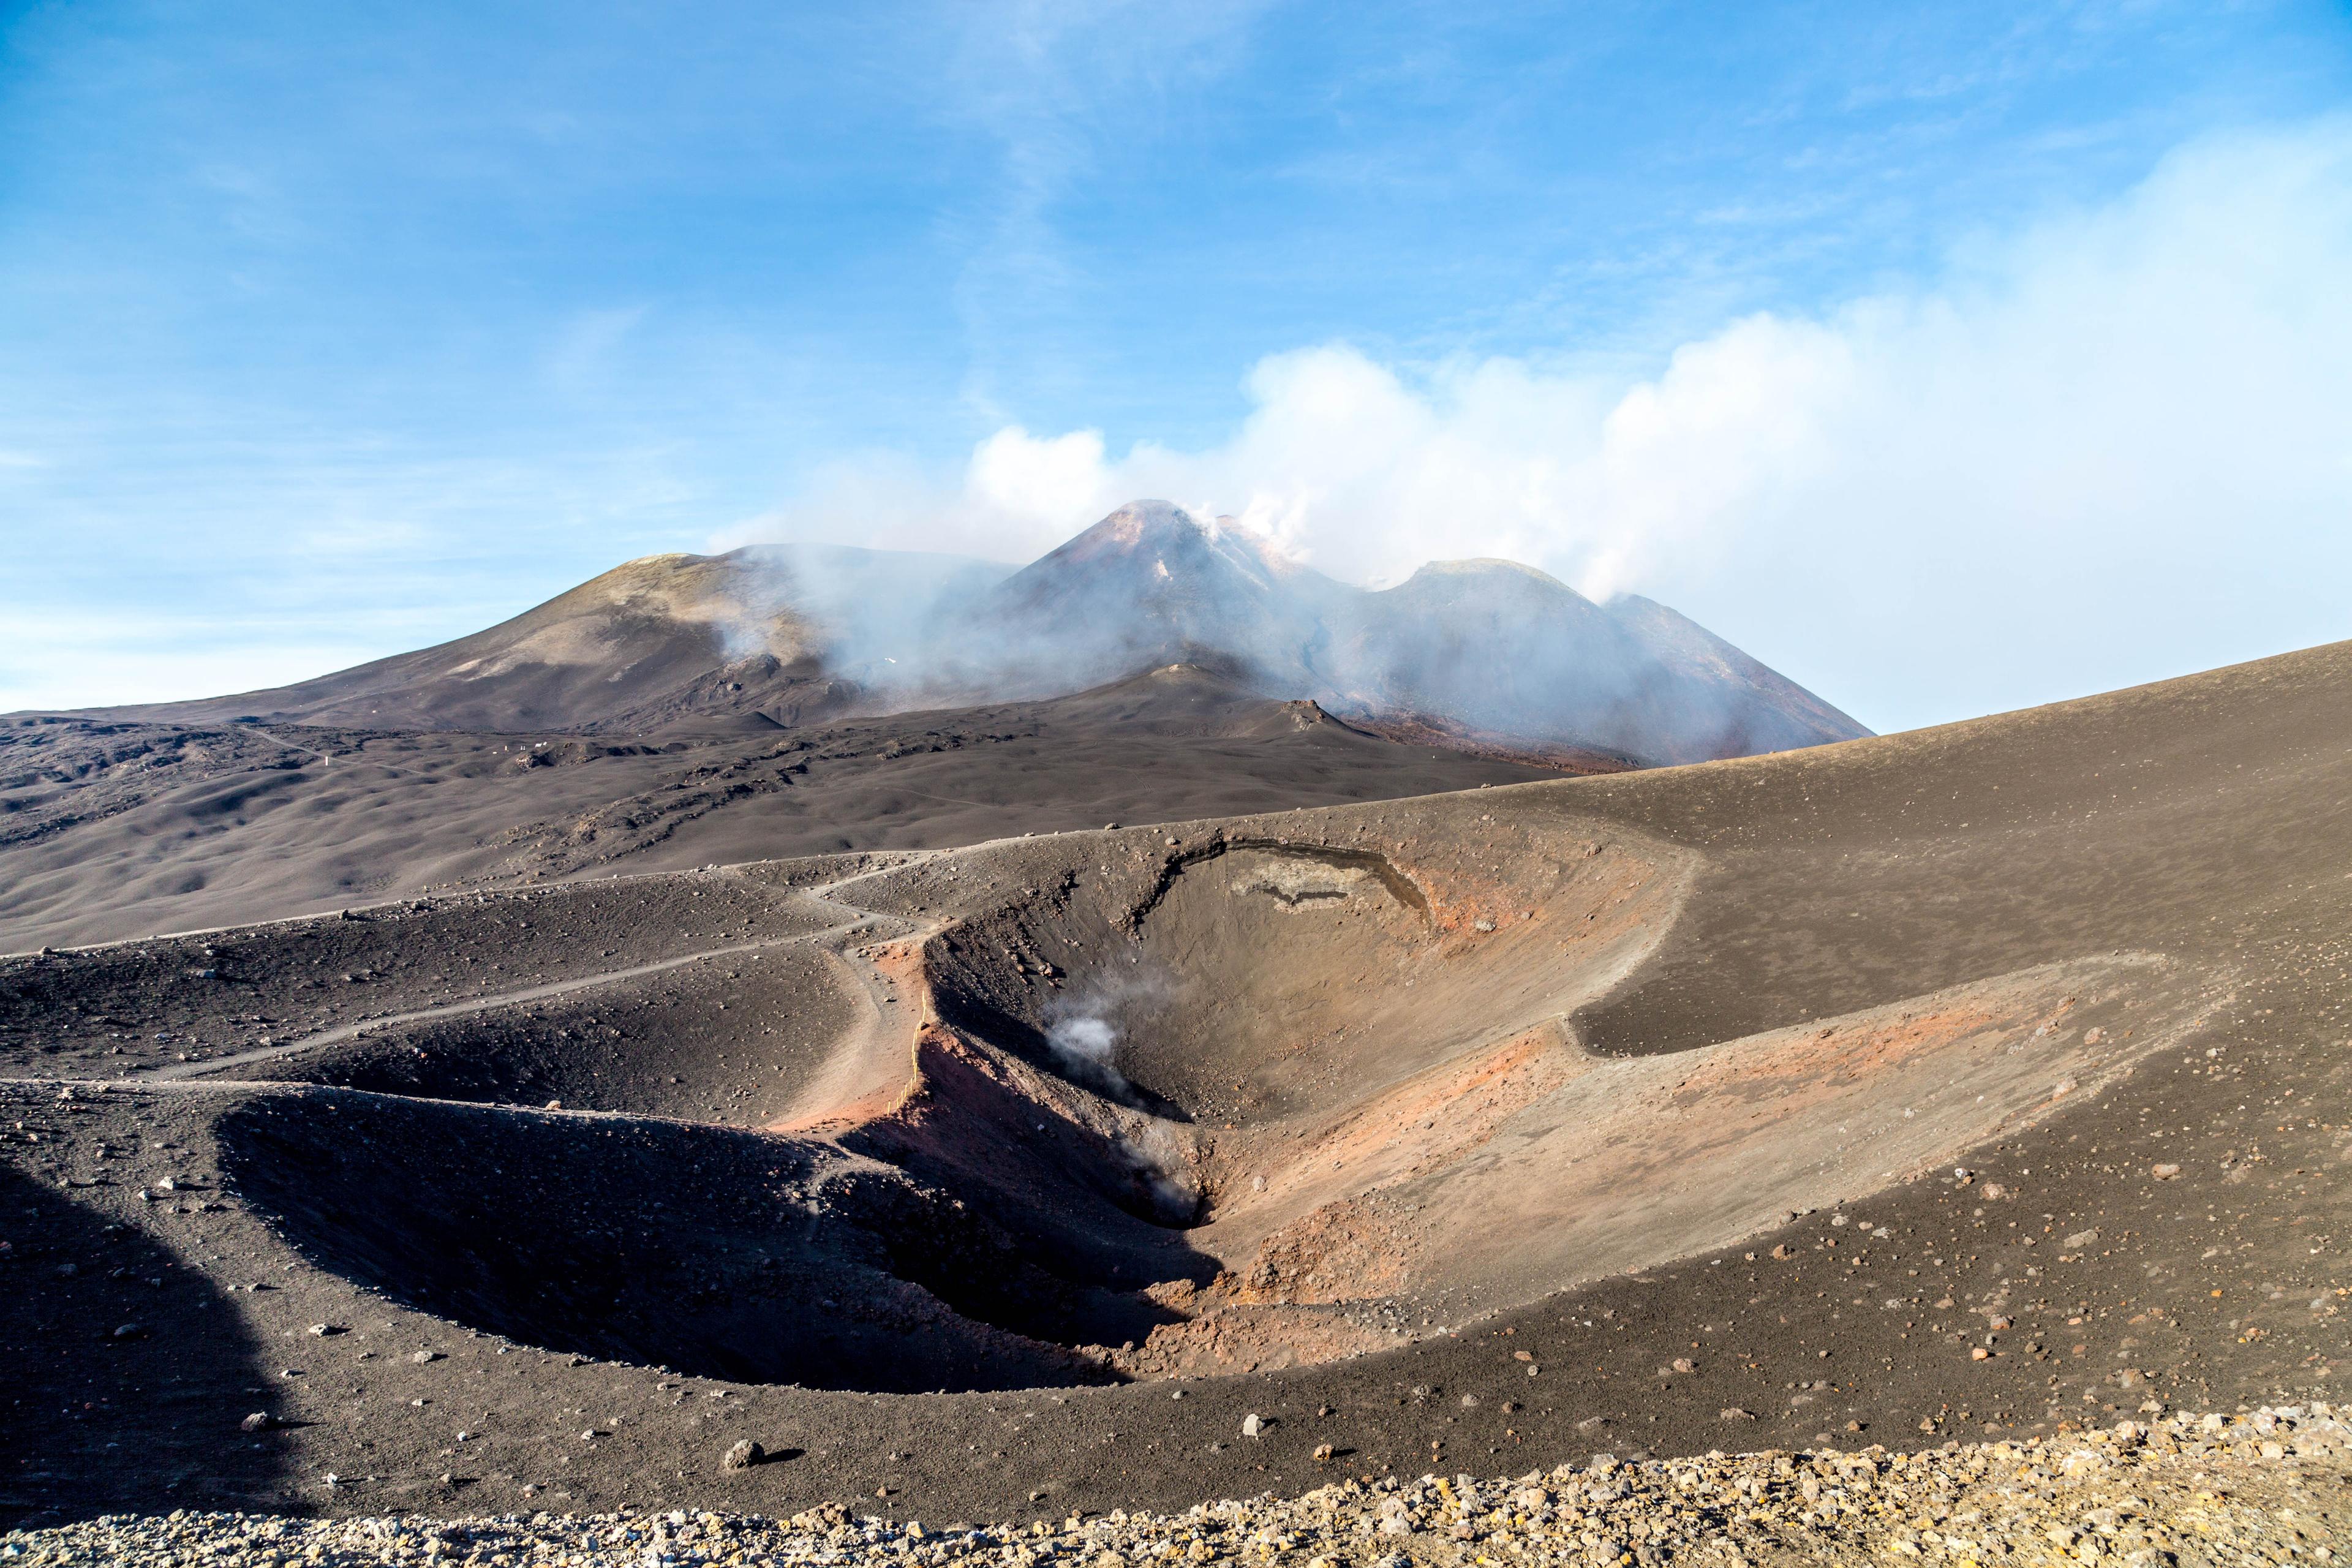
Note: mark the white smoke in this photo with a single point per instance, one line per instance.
(2105, 448)
(1084, 1030)
(863, 610)
(1085, 1025)
(1088, 1041)
(1158, 1163)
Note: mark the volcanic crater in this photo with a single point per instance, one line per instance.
(1979, 1079)
(1092, 1108)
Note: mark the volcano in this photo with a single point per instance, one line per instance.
(756, 636)
(781, 636)
(787, 700)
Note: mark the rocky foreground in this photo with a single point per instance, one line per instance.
(2272, 1486)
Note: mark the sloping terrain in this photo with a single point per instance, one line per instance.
(781, 636)
(1969, 1082)
(758, 636)
(796, 699)
(1497, 647)
(112, 829)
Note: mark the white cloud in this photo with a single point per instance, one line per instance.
(2113, 447)
(1016, 475)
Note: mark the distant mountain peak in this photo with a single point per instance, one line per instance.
(1491, 584)
(1165, 542)
(1488, 566)
(1139, 522)
(1480, 647)
(1155, 550)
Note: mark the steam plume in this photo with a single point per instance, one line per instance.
(1085, 1024)
(2003, 484)
(1084, 1028)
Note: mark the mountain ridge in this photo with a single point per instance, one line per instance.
(794, 634)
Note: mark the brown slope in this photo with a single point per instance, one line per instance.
(755, 636)
(634, 636)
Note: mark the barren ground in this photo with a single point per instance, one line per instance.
(122, 827)
(1975, 1083)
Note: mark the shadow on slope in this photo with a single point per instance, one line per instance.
(129, 1371)
(709, 1251)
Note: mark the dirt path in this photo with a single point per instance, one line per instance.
(873, 1049)
(870, 1066)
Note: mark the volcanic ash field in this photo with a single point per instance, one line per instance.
(1984, 1085)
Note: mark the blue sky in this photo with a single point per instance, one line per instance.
(325, 334)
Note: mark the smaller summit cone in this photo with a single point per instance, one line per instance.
(1189, 579)
(1151, 584)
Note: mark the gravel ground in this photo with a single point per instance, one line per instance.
(2270, 1486)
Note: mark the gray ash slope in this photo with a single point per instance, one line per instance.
(115, 828)
(1732, 1106)
(786, 635)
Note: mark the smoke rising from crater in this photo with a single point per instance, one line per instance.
(1084, 1030)
(2004, 483)
(1085, 1024)
(1490, 649)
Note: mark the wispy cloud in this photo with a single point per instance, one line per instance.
(1054, 87)
(587, 346)
(279, 557)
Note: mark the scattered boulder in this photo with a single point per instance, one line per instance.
(743, 1456)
